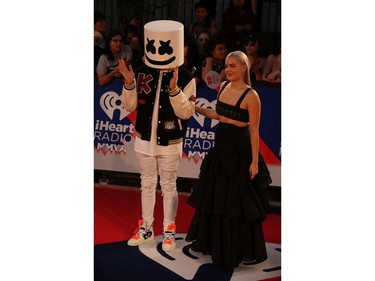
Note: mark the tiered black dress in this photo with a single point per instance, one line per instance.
(230, 207)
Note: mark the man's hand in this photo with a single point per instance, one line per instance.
(126, 71)
(173, 82)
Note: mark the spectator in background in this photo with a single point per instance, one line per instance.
(250, 46)
(272, 67)
(107, 68)
(134, 41)
(215, 61)
(202, 40)
(100, 28)
(201, 19)
(191, 59)
(211, 7)
(237, 19)
(136, 22)
(133, 22)
(213, 28)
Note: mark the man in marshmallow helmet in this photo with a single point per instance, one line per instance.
(163, 93)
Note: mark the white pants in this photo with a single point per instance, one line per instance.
(167, 166)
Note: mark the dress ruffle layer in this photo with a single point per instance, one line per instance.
(230, 207)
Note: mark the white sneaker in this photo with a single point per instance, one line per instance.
(145, 233)
(169, 243)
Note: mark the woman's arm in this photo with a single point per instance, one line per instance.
(206, 68)
(256, 70)
(210, 113)
(101, 71)
(274, 76)
(106, 78)
(270, 74)
(267, 68)
(254, 108)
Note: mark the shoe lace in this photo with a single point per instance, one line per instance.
(141, 231)
(168, 236)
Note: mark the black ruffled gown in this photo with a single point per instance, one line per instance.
(230, 208)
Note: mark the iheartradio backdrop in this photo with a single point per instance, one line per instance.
(114, 131)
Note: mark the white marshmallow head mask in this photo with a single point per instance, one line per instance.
(164, 44)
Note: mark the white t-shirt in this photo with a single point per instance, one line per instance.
(105, 65)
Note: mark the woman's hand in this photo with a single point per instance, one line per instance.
(126, 71)
(117, 73)
(209, 61)
(253, 170)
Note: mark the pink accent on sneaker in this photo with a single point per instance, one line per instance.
(140, 223)
(170, 227)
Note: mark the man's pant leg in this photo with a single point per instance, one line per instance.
(168, 167)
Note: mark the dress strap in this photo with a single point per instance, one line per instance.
(242, 97)
(226, 84)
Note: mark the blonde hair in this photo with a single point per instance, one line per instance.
(242, 57)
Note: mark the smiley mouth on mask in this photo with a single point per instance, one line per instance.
(161, 62)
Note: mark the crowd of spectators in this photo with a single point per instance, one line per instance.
(205, 48)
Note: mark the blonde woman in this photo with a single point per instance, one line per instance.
(229, 197)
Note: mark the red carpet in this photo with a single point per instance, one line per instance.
(117, 210)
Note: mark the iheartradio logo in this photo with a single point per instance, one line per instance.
(202, 102)
(109, 102)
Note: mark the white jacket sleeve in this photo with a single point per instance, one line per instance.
(183, 103)
(129, 99)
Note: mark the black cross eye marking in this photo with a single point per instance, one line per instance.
(165, 48)
(150, 46)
